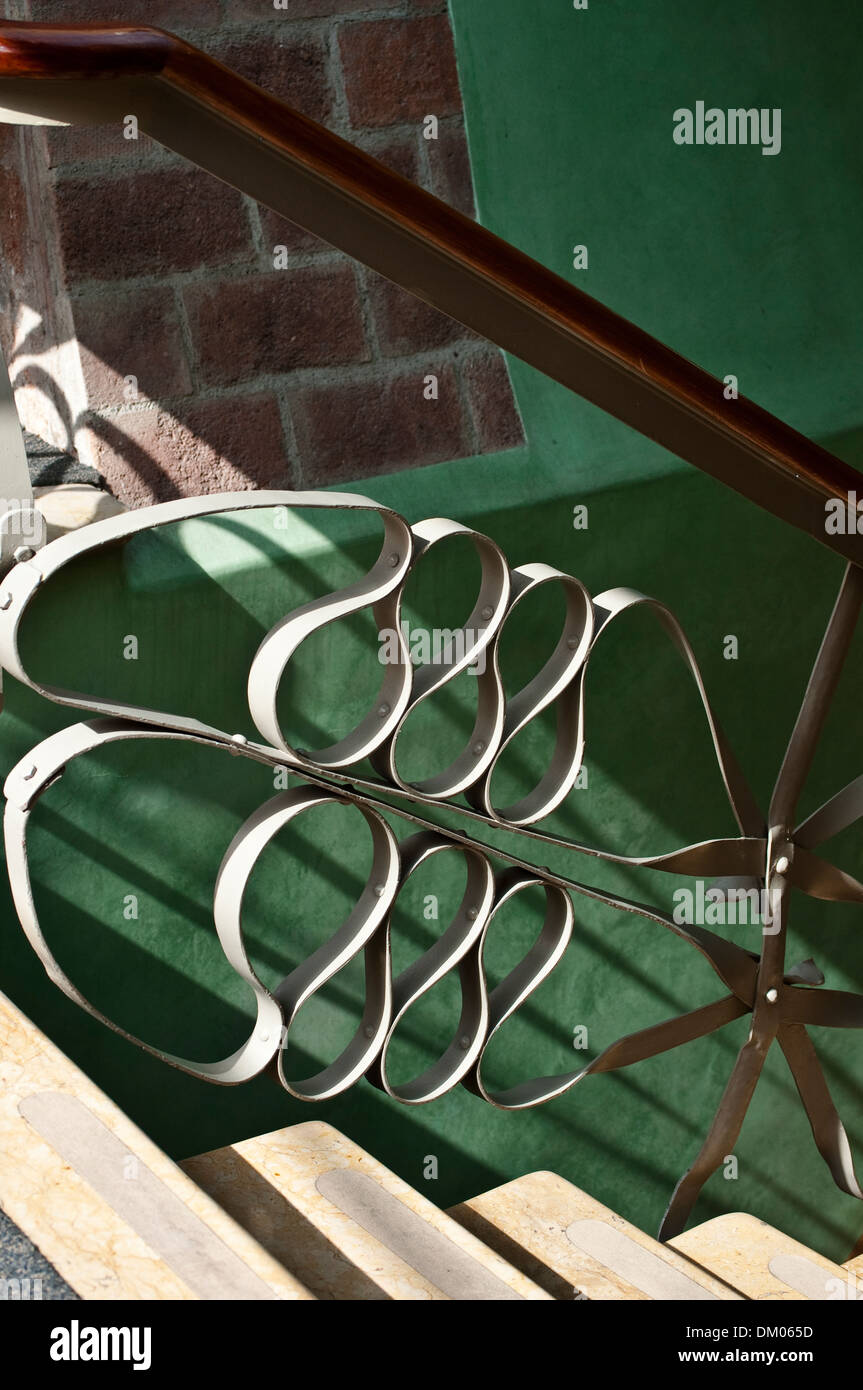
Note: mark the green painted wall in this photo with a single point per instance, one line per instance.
(570, 119)
(745, 263)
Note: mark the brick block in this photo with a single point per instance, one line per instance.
(138, 334)
(399, 69)
(304, 9)
(82, 144)
(159, 14)
(492, 402)
(276, 323)
(360, 429)
(406, 324)
(295, 70)
(400, 155)
(230, 444)
(450, 167)
(278, 231)
(151, 222)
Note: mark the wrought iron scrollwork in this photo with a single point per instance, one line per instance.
(781, 1001)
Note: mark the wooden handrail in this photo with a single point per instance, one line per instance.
(262, 146)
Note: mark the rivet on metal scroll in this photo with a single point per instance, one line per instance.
(493, 876)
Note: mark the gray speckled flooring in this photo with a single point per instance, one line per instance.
(50, 466)
(19, 1260)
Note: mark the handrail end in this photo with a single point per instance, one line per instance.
(75, 51)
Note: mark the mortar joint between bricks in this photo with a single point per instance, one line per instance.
(292, 449)
(186, 338)
(253, 211)
(386, 370)
(367, 315)
(336, 77)
(116, 166)
(353, 374)
(464, 394)
(208, 275)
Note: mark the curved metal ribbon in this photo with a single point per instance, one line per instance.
(367, 929)
(357, 933)
(330, 777)
(24, 785)
(19, 587)
(498, 719)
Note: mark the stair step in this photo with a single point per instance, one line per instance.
(759, 1260)
(346, 1226)
(113, 1215)
(574, 1246)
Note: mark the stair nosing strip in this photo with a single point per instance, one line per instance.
(194, 1252)
(639, 1266)
(798, 1272)
(431, 1254)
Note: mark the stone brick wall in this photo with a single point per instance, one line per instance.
(119, 261)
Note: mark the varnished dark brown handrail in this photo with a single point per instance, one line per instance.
(228, 126)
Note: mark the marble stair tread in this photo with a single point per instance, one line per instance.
(108, 1210)
(575, 1247)
(348, 1227)
(759, 1260)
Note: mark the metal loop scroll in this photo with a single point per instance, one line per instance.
(498, 720)
(18, 588)
(366, 929)
(783, 1002)
(456, 948)
(559, 683)
(24, 785)
(356, 933)
(477, 634)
